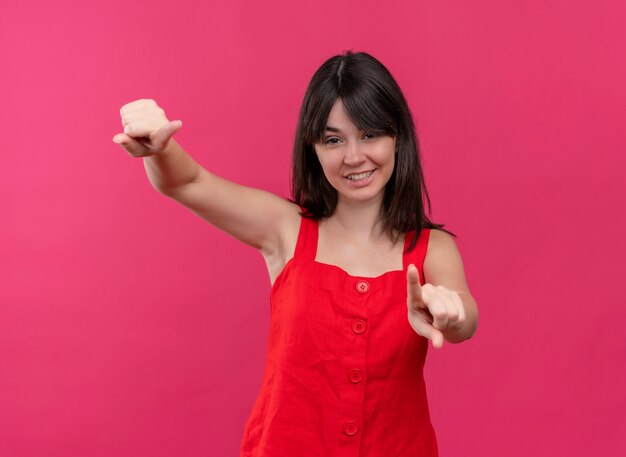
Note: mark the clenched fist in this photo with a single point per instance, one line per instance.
(146, 129)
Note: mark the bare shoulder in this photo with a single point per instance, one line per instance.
(440, 239)
(443, 264)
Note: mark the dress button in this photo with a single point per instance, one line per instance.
(362, 287)
(350, 427)
(359, 326)
(356, 375)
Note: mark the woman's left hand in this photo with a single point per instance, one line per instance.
(432, 309)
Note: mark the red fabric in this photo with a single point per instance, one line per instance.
(343, 374)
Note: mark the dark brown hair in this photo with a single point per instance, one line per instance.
(374, 103)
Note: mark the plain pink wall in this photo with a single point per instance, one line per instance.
(130, 327)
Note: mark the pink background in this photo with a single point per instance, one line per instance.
(130, 327)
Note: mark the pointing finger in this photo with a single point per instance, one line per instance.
(415, 297)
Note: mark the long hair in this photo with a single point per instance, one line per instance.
(374, 103)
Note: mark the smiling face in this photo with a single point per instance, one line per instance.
(357, 163)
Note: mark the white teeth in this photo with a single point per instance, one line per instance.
(360, 176)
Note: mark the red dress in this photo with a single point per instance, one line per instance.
(343, 374)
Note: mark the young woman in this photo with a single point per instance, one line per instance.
(361, 278)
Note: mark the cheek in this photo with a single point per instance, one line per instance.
(386, 157)
(327, 160)
(325, 165)
(389, 161)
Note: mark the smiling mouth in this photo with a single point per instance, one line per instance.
(359, 176)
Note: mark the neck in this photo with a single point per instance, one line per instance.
(360, 220)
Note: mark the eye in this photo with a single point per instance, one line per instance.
(332, 140)
(369, 135)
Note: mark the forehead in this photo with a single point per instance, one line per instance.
(338, 118)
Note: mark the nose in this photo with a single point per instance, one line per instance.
(354, 154)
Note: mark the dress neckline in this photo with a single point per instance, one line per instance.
(306, 251)
(345, 273)
(314, 246)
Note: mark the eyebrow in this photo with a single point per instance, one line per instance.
(332, 129)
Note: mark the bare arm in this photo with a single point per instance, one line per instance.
(171, 168)
(257, 218)
(443, 307)
(253, 216)
(443, 266)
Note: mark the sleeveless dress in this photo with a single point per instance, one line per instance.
(343, 374)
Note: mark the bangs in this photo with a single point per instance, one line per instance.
(370, 110)
(367, 106)
(316, 116)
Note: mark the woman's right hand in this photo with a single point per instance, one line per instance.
(146, 129)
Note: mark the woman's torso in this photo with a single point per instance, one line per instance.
(343, 374)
